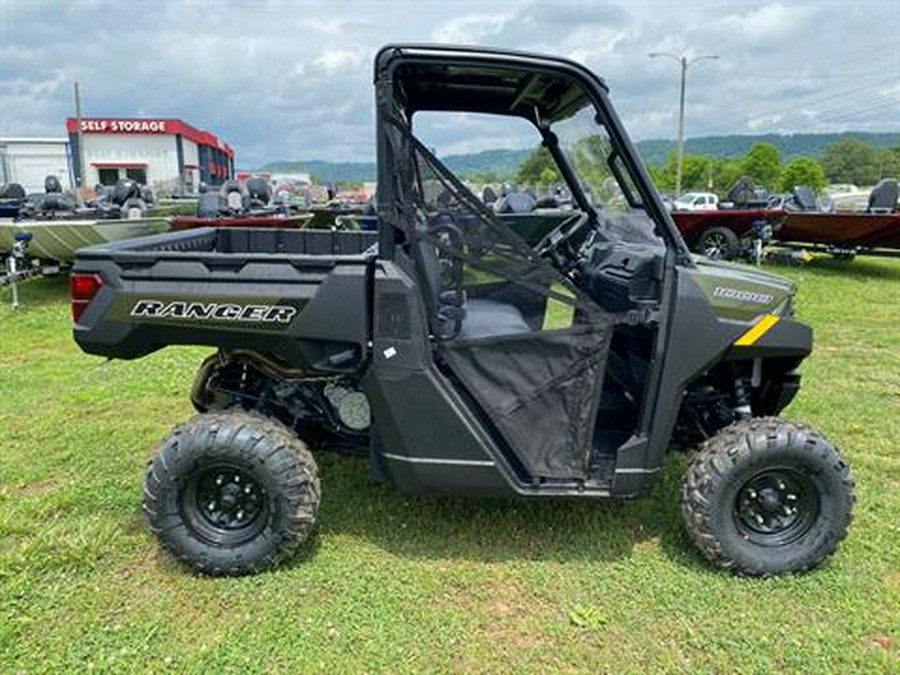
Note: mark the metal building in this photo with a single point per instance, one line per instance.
(28, 161)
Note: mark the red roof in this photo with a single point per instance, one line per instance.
(142, 126)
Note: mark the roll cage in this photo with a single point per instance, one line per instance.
(541, 90)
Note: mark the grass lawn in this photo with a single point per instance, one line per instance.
(411, 584)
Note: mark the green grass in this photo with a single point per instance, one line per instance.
(413, 584)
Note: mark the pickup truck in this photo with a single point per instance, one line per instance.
(457, 357)
(696, 201)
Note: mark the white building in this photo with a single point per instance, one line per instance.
(28, 161)
(169, 155)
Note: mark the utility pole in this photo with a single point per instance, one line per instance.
(683, 62)
(80, 157)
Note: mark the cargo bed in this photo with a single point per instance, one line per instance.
(240, 240)
(230, 287)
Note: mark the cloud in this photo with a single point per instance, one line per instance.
(469, 29)
(767, 23)
(536, 25)
(335, 60)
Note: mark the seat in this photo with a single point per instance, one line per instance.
(516, 202)
(210, 204)
(481, 317)
(12, 191)
(488, 318)
(883, 198)
(234, 194)
(259, 192)
(52, 185)
(805, 199)
(124, 190)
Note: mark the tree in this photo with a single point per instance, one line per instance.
(548, 176)
(661, 178)
(533, 167)
(695, 172)
(726, 173)
(890, 163)
(803, 171)
(763, 164)
(852, 161)
(694, 175)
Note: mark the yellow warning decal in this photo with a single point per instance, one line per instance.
(759, 329)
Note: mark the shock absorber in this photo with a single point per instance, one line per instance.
(742, 408)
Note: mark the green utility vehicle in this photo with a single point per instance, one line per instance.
(461, 359)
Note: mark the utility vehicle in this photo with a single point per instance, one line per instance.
(463, 360)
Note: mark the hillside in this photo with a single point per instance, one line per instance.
(504, 163)
(500, 162)
(791, 146)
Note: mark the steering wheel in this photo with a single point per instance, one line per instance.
(552, 244)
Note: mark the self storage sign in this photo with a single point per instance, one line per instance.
(124, 126)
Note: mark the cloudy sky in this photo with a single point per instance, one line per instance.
(290, 80)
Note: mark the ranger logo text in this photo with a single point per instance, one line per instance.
(214, 311)
(742, 296)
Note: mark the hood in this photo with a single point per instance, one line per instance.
(742, 292)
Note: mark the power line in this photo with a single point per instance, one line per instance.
(817, 98)
(824, 114)
(861, 112)
(871, 54)
(810, 103)
(888, 97)
(811, 76)
(841, 71)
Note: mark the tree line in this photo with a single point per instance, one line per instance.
(847, 161)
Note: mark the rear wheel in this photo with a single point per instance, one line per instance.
(232, 493)
(719, 243)
(766, 496)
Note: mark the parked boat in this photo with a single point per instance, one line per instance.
(57, 240)
(125, 200)
(238, 203)
(58, 226)
(842, 230)
(800, 220)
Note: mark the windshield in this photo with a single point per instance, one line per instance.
(588, 149)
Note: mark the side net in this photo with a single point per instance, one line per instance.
(526, 344)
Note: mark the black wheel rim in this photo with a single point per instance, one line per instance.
(776, 507)
(225, 504)
(716, 245)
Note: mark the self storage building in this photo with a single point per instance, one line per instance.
(169, 155)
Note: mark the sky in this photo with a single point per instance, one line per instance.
(293, 80)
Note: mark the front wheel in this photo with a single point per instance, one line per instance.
(231, 493)
(767, 496)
